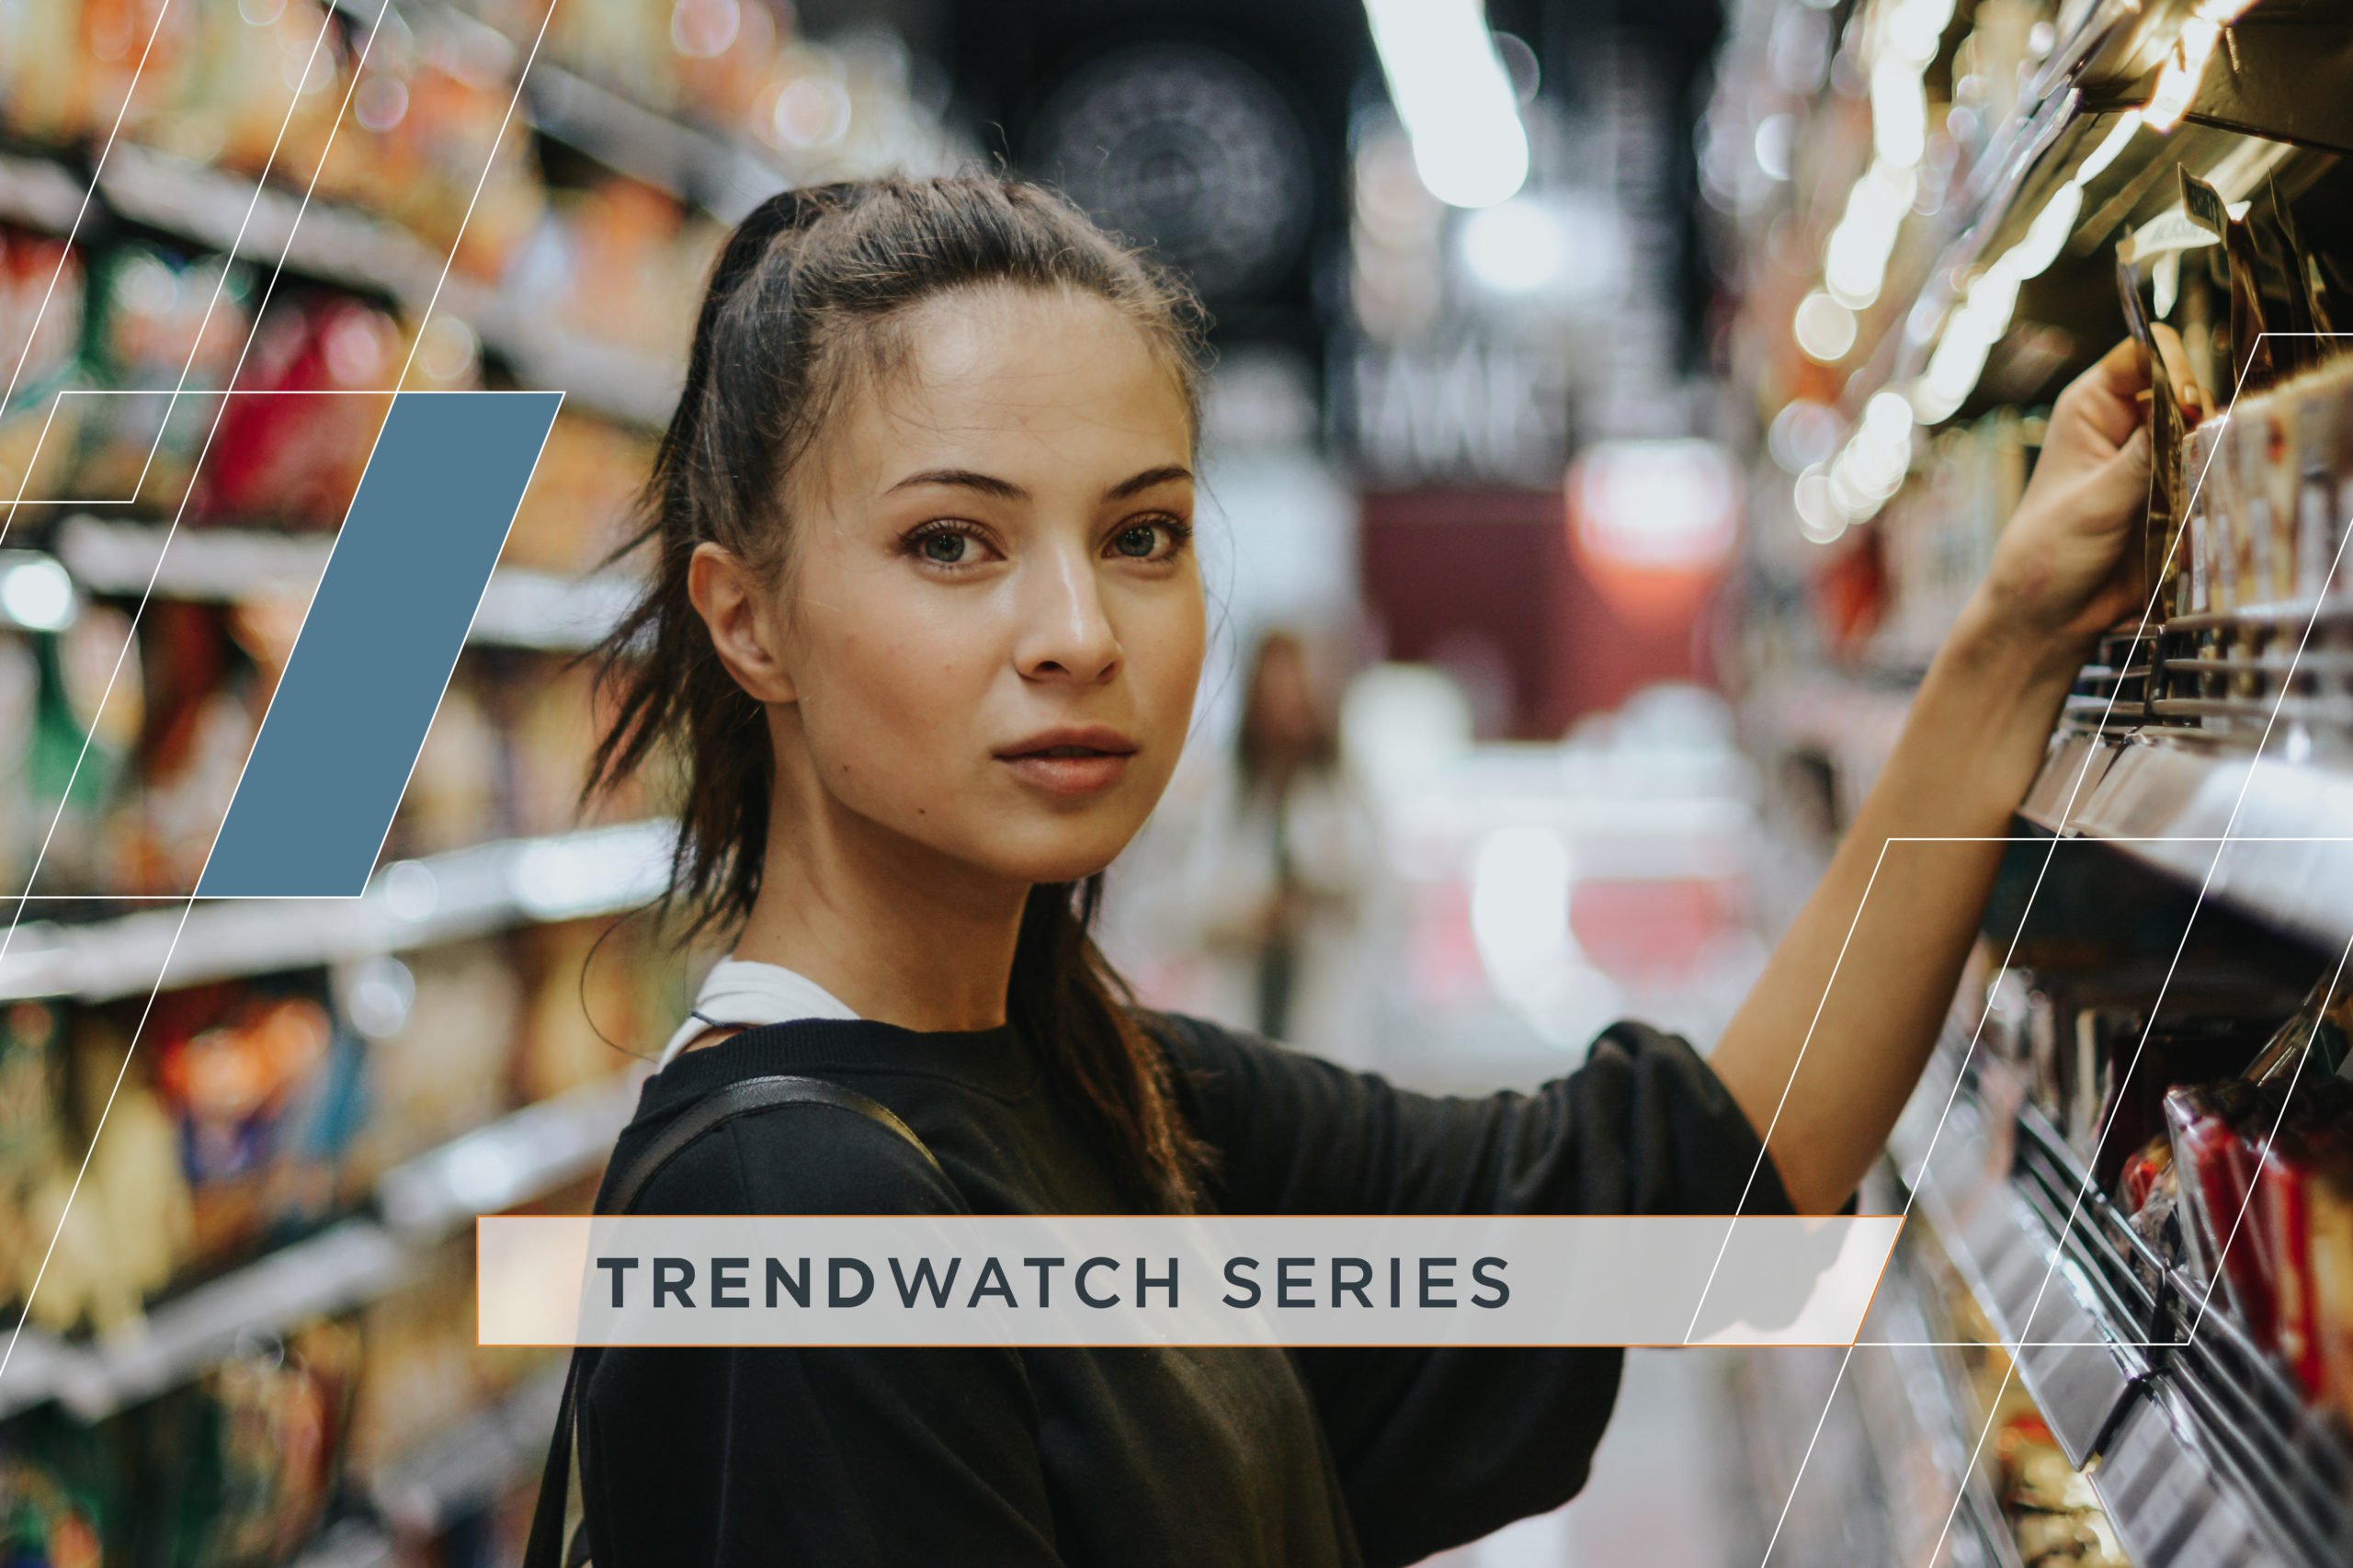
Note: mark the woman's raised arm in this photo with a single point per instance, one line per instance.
(1826, 1048)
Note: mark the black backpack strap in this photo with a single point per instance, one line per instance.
(545, 1549)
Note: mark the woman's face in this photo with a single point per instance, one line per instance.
(992, 625)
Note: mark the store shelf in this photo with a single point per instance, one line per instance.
(410, 903)
(620, 383)
(358, 250)
(2169, 801)
(466, 1470)
(261, 223)
(2276, 78)
(520, 608)
(2279, 75)
(38, 194)
(339, 1267)
(520, 1157)
(692, 164)
(2200, 1451)
(1941, 1409)
(350, 1544)
(32, 1370)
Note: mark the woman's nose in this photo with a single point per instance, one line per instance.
(1066, 633)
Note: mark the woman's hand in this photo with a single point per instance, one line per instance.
(2064, 569)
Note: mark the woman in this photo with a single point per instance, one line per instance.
(923, 638)
(1273, 877)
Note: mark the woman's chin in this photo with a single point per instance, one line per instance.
(1070, 870)
(1063, 862)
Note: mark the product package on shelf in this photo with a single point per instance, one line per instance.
(431, 146)
(1938, 533)
(61, 1498)
(166, 330)
(505, 755)
(122, 1232)
(44, 295)
(139, 783)
(580, 503)
(2260, 1177)
(262, 1084)
(2048, 1504)
(221, 1133)
(303, 420)
(603, 998)
(2224, 1141)
(77, 718)
(808, 111)
(2252, 595)
(240, 1467)
(194, 689)
(260, 90)
(235, 1470)
(441, 1022)
(33, 1148)
(613, 267)
(425, 1382)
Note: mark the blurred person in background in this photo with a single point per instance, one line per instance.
(1279, 868)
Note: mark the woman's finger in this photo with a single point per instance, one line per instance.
(2100, 408)
(2119, 487)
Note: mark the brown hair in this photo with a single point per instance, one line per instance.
(808, 290)
(1251, 753)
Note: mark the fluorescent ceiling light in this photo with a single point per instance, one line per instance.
(1455, 97)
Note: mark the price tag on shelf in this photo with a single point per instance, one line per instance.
(2079, 1377)
(2161, 1497)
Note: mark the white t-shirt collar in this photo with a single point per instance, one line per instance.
(749, 993)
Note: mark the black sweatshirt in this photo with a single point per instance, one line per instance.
(1238, 1457)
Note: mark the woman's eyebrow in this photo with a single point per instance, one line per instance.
(1146, 480)
(988, 484)
(1006, 490)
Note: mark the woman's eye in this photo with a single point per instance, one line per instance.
(947, 548)
(1145, 541)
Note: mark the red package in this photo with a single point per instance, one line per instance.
(2328, 1258)
(2287, 1207)
(297, 430)
(2217, 1169)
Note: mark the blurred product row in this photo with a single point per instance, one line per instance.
(2120, 1328)
(274, 1231)
(2104, 1339)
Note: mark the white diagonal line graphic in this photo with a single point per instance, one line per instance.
(139, 611)
(2075, 1207)
(8, 937)
(2262, 1157)
(139, 1031)
(2140, 637)
(33, 333)
(1805, 1459)
(228, 260)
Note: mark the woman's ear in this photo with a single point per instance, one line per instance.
(743, 628)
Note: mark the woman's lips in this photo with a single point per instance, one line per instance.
(1070, 770)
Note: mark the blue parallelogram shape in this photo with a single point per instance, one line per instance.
(384, 630)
